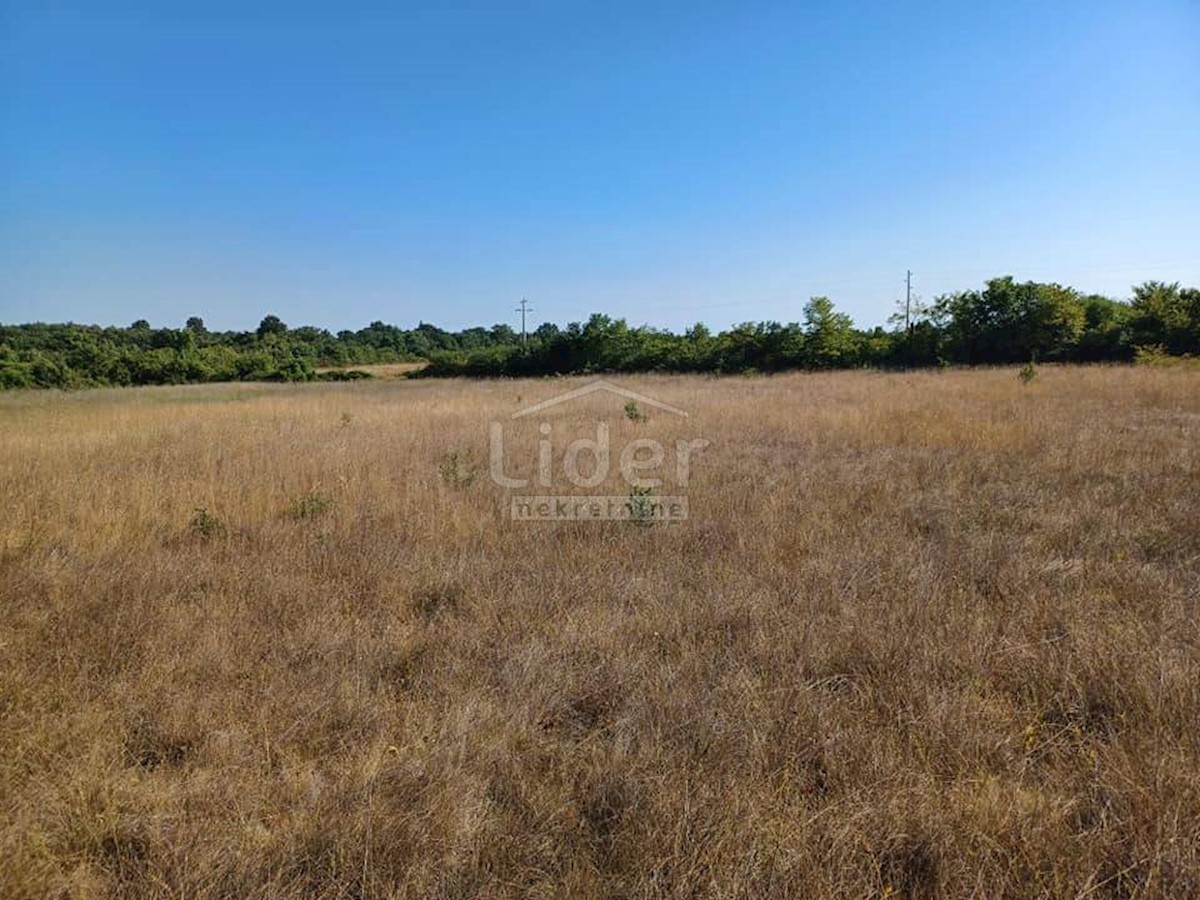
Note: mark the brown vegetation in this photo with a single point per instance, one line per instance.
(923, 635)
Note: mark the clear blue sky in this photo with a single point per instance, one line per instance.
(666, 162)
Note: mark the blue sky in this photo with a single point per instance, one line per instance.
(666, 162)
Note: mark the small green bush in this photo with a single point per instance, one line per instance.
(641, 506)
(1158, 356)
(633, 412)
(308, 505)
(205, 525)
(454, 471)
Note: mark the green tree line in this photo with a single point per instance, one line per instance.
(73, 356)
(1004, 322)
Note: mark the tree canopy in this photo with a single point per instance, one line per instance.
(1004, 322)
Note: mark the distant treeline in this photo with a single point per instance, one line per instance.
(1005, 322)
(70, 356)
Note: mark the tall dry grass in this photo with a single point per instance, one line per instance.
(928, 634)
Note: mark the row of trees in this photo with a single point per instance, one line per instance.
(1004, 322)
(69, 356)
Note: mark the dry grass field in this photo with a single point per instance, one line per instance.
(922, 635)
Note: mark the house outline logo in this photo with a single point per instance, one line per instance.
(593, 387)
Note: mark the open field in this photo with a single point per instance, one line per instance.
(922, 635)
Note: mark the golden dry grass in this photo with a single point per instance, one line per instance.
(926, 634)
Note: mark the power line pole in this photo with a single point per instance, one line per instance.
(522, 309)
(907, 298)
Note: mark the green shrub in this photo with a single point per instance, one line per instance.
(205, 525)
(308, 505)
(454, 471)
(1154, 355)
(641, 506)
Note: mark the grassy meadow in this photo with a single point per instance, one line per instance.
(929, 634)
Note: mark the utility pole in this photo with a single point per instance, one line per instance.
(907, 299)
(522, 309)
